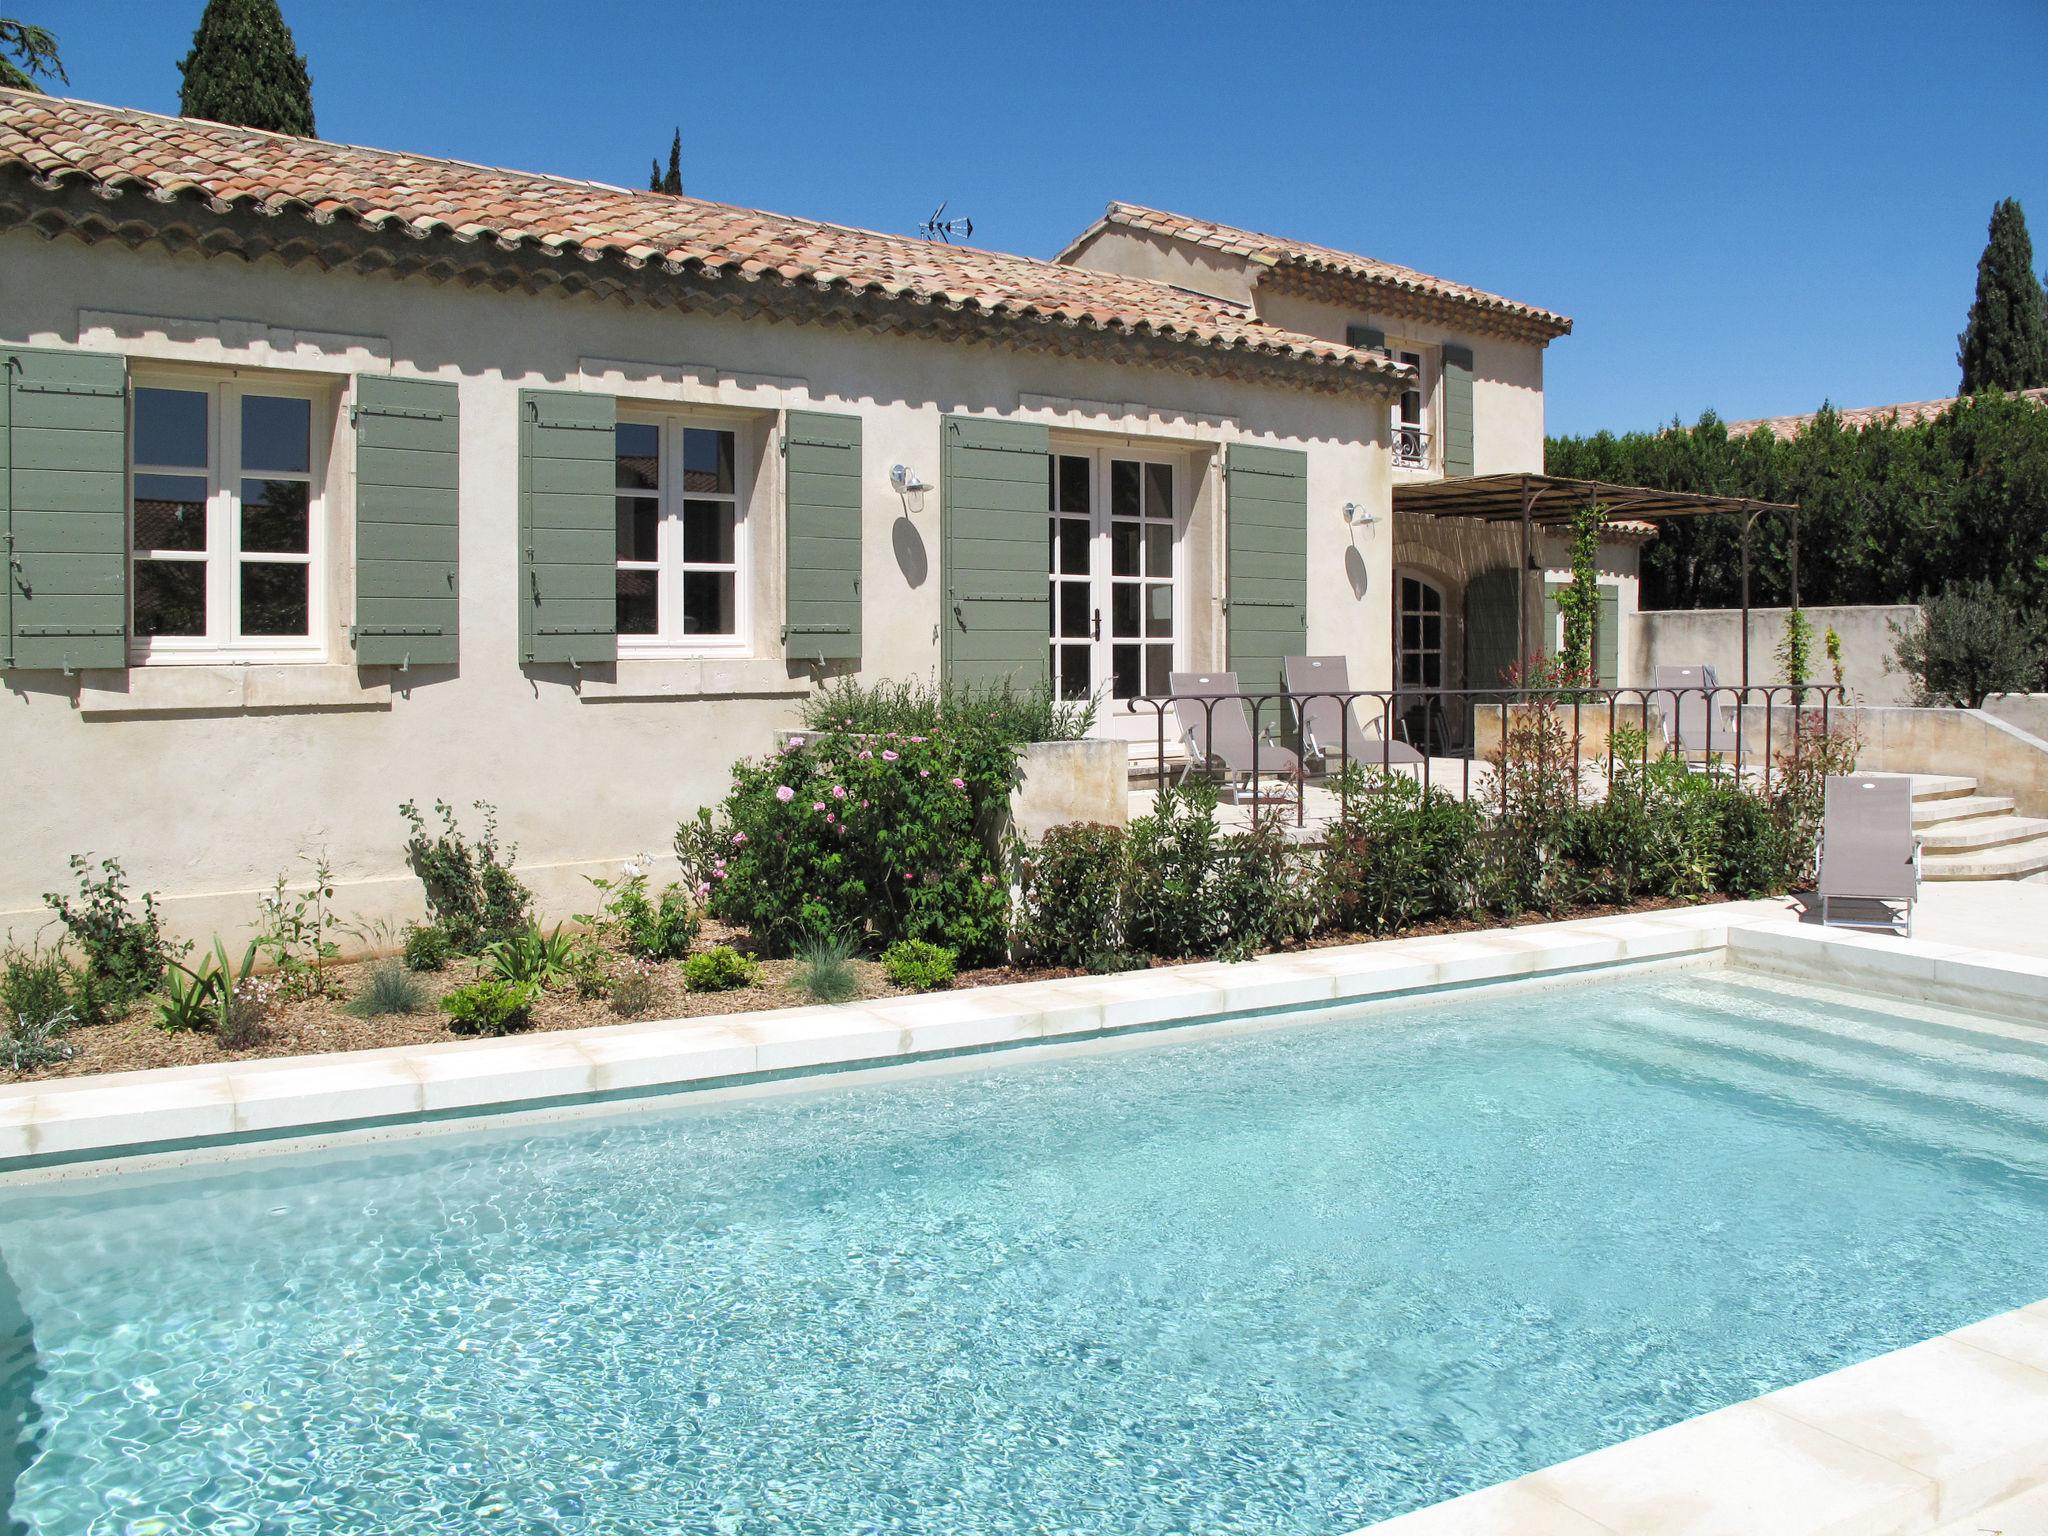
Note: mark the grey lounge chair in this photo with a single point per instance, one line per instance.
(1699, 726)
(1219, 736)
(1868, 850)
(1322, 721)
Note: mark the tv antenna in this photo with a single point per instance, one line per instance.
(939, 227)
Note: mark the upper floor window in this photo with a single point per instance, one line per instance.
(1413, 438)
(225, 520)
(681, 542)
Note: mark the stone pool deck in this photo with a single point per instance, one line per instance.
(1924, 1438)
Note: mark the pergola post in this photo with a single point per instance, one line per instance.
(1522, 578)
(1748, 522)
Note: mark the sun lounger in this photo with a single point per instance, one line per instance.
(1322, 721)
(1698, 720)
(1219, 735)
(1868, 850)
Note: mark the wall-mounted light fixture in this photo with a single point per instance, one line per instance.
(906, 483)
(1359, 517)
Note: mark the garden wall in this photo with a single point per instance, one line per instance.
(1713, 636)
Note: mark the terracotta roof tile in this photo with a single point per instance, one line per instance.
(62, 142)
(1910, 414)
(1275, 252)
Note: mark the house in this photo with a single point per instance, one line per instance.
(336, 477)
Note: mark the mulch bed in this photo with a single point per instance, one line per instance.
(319, 1024)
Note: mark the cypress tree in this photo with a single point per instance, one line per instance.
(27, 51)
(244, 69)
(672, 183)
(2005, 343)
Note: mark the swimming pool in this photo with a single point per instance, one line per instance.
(1293, 1279)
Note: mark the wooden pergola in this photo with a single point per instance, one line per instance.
(1534, 501)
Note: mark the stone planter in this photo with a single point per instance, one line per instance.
(1063, 781)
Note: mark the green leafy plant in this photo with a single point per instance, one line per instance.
(1172, 856)
(36, 995)
(298, 930)
(920, 965)
(123, 943)
(590, 969)
(212, 995)
(1795, 650)
(1579, 601)
(1070, 896)
(528, 955)
(824, 968)
(1833, 643)
(1973, 640)
(387, 988)
(29, 1043)
(1398, 854)
(472, 894)
(490, 1006)
(719, 969)
(426, 947)
(652, 928)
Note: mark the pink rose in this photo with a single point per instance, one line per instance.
(918, 739)
(784, 793)
(865, 755)
(988, 879)
(924, 773)
(888, 757)
(909, 878)
(838, 791)
(863, 805)
(830, 819)
(817, 805)
(703, 889)
(738, 838)
(959, 783)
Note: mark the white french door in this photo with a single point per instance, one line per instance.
(1113, 560)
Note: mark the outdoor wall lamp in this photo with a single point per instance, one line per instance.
(1359, 517)
(907, 485)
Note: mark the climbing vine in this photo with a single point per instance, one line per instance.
(1579, 602)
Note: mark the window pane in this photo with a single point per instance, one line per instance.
(274, 520)
(1124, 678)
(1159, 490)
(170, 512)
(1123, 609)
(1074, 545)
(170, 427)
(277, 434)
(1158, 609)
(1411, 632)
(707, 460)
(639, 602)
(1123, 548)
(639, 519)
(707, 532)
(1158, 666)
(1159, 549)
(1074, 680)
(274, 600)
(1410, 591)
(636, 446)
(1073, 484)
(708, 607)
(170, 597)
(1123, 488)
(1074, 614)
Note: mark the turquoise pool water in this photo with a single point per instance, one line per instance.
(1285, 1281)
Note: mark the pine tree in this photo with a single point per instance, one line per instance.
(34, 52)
(244, 69)
(672, 183)
(2005, 343)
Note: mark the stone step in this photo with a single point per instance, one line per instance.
(1940, 812)
(1977, 835)
(2013, 861)
(1938, 786)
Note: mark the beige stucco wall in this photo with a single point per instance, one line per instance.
(207, 781)
(1140, 253)
(1713, 637)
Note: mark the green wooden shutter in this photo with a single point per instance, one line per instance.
(1607, 640)
(1369, 337)
(568, 528)
(406, 474)
(1457, 410)
(1267, 582)
(64, 501)
(995, 498)
(1491, 645)
(821, 554)
(1551, 640)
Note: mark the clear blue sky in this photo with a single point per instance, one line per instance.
(1747, 206)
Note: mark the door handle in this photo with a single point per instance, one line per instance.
(1098, 625)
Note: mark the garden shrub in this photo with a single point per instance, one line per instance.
(1972, 640)
(653, 928)
(919, 965)
(1752, 851)
(633, 992)
(298, 933)
(1173, 854)
(1070, 904)
(215, 994)
(125, 951)
(472, 894)
(426, 947)
(720, 968)
(36, 1010)
(490, 1007)
(873, 837)
(528, 955)
(388, 988)
(1262, 891)
(1399, 854)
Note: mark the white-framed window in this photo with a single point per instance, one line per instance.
(226, 520)
(1414, 423)
(682, 533)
